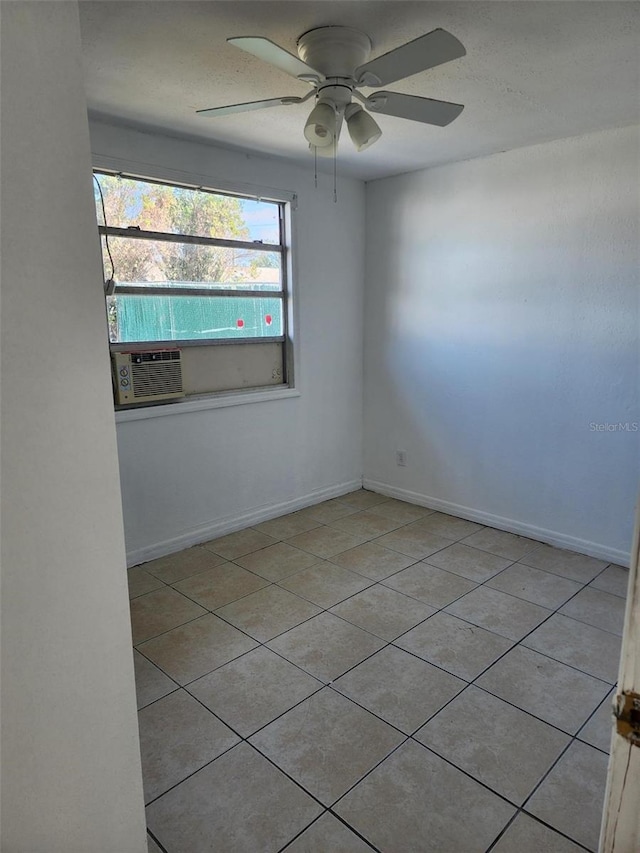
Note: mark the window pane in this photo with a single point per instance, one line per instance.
(174, 210)
(179, 318)
(149, 262)
(262, 219)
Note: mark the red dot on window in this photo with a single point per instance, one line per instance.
(239, 323)
(268, 319)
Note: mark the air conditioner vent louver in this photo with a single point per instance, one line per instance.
(142, 377)
(156, 378)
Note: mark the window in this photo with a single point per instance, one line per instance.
(190, 267)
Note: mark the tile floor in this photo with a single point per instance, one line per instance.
(367, 674)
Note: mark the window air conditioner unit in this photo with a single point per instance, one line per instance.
(144, 377)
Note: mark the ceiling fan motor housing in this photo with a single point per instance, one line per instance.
(334, 51)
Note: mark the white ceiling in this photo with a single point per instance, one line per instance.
(534, 71)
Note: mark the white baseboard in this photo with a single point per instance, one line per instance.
(541, 534)
(229, 524)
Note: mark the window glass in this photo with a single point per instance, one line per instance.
(135, 319)
(153, 262)
(133, 203)
(178, 259)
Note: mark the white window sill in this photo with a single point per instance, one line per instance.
(210, 401)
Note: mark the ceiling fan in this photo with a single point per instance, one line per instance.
(334, 61)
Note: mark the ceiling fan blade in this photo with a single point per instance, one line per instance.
(271, 52)
(427, 51)
(251, 105)
(413, 108)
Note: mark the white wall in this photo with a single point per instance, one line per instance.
(501, 321)
(192, 476)
(71, 779)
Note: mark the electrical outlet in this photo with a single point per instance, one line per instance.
(401, 458)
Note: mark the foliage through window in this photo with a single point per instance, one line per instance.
(190, 264)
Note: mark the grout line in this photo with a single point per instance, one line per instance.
(520, 811)
(337, 817)
(544, 778)
(557, 831)
(607, 698)
(189, 775)
(161, 846)
(589, 624)
(302, 831)
(354, 830)
(509, 823)
(239, 598)
(247, 738)
(168, 631)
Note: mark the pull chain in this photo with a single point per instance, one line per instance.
(315, 166)
(335, 171)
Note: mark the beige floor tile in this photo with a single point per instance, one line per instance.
(413, 541)
(193, 650)
(141, 582)
(276, 561)
(240, 543)
(366, 524)
(287, 525)
(550, 690)
(362, 499)
(243, 801)
(575, 643)
(498, 612)
(160, 611)
(152, 847)
(448, 526)
(373, 561)
(183, 564)
(569, 564)
(614, 579)
(326, 541)
(268, 612)
(534, 585)
(431, 585)
(325, 584)
(151, 683)
(253, 690)
(382, 611)
(328, 835)
(402, 689)
(400, 511)
(457, 646)
(501, 543)
(597, 731)
(326, 646)
(415, 801)
(570, 798)
(526, 835)
(177, 737)
(328, 511)
(597, 608)
(327, 744)
(240, 802)
(497, 744)
(221, 585)
(471, 563)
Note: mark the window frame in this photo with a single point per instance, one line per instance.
(288, 201)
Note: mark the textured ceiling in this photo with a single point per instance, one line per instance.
(534, 71)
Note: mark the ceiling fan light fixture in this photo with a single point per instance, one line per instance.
(320, 129)
(363, 129)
